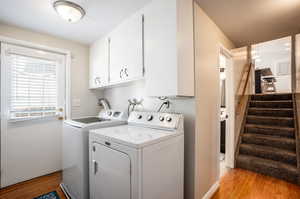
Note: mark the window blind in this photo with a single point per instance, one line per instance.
(33, 87)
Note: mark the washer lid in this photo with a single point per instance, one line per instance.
(132, 136)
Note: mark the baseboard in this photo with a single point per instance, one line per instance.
(212, 190)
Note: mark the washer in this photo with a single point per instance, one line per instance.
(75, 182)
(141, 160)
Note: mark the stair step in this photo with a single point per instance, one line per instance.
(273, 121)
(267, 152)
(270, 130)
(270, 97)
(272, 104)
(267, 140)
(276, 112)
(268, 167)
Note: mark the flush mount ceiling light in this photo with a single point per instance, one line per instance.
(69, 11)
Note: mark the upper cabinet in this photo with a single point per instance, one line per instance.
(118, 57)
(159, 41)
(99, 60)
(126, 50)
(169, 48)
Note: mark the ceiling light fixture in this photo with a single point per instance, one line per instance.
(68, 10)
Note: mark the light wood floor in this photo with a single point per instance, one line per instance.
(242, 184)
(34, 188)
(236, 184)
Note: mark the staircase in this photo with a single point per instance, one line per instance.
(267, 144)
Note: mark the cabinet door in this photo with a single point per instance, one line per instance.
(111, 176)
(126, 50)
(99, 58)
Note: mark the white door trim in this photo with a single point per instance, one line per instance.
(230, 108)
(3, 134)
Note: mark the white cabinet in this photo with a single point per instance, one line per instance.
(99, 60)
(169, 48)
(126, 50)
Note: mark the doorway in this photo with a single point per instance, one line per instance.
(272, 60)
(33, 104)
(227, 94)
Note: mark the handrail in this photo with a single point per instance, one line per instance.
(249, 68)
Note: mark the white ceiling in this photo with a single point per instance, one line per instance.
(252, 21)
(39, 15)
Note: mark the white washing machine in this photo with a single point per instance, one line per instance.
(141, 160)
(75, 182)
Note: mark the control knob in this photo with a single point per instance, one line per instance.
(161, 118)
(150, 117)
(139, 117)
(168, 119)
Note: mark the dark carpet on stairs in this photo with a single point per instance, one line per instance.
(268, 144)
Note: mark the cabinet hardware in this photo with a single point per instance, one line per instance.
(121, 73)
(126, 72)
(97, 81)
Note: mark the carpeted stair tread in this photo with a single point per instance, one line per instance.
(271, 104)
(268, 167)
(270, 130)
(270, 140)
(267, 144)
(268, 120)
(272, 97)
(278, 112)
(268, 152)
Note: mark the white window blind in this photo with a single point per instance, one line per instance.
(33, 87)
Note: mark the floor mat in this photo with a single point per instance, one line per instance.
(51, 195)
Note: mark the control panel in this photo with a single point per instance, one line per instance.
(155, 119)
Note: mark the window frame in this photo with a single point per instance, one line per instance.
(40, 54)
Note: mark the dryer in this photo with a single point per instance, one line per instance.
(141, 160)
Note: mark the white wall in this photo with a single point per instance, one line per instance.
(269, 54)
(208, 38)
(118, 98)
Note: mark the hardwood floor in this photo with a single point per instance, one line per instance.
(242, 184)
(236, 184)
(34, 188)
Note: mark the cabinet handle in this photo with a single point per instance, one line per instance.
(126, 72)
(121, 73)
(95, 163)
(97, 81)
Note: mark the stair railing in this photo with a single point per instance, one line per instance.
(242, 104)
(243, 84)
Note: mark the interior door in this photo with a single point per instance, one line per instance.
(111, 176)
(32, 109)
(126, 50)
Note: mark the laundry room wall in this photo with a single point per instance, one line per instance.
(118, 98)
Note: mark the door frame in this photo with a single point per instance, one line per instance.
(230, 108)
(67, 113)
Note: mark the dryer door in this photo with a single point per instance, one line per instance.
(110, 173)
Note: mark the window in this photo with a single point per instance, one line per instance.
(283, 68)
(32, 83)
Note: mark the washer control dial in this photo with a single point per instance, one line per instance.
(168, 119)
(150, 117)
(139, 117)
(161, 118)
